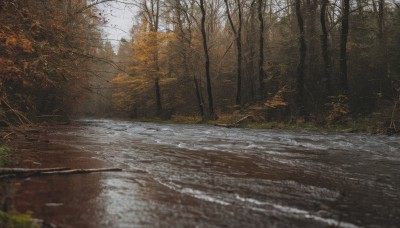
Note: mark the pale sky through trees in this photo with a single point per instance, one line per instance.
(120, 20)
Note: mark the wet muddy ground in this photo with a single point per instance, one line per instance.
(205, 176)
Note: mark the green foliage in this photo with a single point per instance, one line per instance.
(5, 151)
(16, 220)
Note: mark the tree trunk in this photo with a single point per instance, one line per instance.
(301, 64)
(154, 15)
(324, 48)
(312, 43)
(239, 57)
(200, 102)
(207, 61)
(381, 5)
(251, 41)
(238, 37)
(261, 51)
(344, 88)
(383, 59)
(187, 56)
(158, 95)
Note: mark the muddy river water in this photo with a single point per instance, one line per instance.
(205, 176)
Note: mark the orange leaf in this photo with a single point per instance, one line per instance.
(11, 41)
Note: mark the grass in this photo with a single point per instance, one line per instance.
(13, 219)
(16, 220)
(5, 151)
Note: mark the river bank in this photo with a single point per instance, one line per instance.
(362, 125)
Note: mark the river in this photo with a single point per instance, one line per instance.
(206, 176)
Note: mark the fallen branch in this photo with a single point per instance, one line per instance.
(5, 136)
(18, 171)
(235, 124)
(77, 171)
(15, 172)
(49, 116)
(21, 117)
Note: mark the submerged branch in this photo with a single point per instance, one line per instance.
(77, 171)
(23, 172)
(28, 170)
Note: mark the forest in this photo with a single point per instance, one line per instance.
(157, 129)
(325, 62)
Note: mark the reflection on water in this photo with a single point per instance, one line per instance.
(195, 175)
(67, 201)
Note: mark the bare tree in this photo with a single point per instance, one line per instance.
(207, 60)
(238, 38)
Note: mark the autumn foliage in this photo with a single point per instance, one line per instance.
(294, 60)
(44, 47)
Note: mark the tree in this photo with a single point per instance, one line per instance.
(184, 22)
(251, 42)
(344, 88)
(148, 46)
(212, 114)
(151, 14)
(238, 38)
(324, 48)
(302, 57)
(261, 73)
